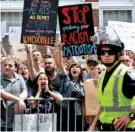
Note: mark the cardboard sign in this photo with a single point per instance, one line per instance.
(126, 32)
(91, 99)
(28, 122)
(77, 30)
(14, 40)
(39, 22)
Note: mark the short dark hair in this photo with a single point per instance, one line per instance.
(47, 56)
(35, 51)
(81, 73)
(24, 63)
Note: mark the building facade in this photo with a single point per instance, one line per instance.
(103, 11)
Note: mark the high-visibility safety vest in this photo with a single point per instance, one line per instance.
(113, 103)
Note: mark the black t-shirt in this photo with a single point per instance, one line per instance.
(56, 82)
(31, 87)
(45, 106)
(128, 88)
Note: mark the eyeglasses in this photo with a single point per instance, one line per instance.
(109, 52)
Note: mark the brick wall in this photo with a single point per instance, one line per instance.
(95, 13)
(96, 17)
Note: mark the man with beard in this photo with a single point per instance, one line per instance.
(55, 77)
(55, 82)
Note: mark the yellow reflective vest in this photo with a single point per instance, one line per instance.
(113, 103)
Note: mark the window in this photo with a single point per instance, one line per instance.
(116, 15)
(12, 19)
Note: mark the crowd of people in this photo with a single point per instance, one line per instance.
(57, 76)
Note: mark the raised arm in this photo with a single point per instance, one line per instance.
(30, 63)
(58, 56)
(3, 52)
(12, 51)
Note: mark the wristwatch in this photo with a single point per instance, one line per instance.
(132, 116)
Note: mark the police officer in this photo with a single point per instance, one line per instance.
(116, 87)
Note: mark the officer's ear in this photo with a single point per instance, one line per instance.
(122, 49)
(122, 45)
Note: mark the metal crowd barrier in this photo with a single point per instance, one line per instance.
(66, 119)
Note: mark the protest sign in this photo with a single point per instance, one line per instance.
(28, 122)
(14, 40)
(77, 30)
(91, 98)
(3, 29)
(126, 32)
(39, 22)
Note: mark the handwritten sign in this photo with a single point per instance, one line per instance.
(46, 122)
(39, 22)
(14, 40)
(91, 98)
(126, 32)
(77, 30)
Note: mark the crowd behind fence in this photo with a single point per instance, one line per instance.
(61, 117)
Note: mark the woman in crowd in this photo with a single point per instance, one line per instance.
(77, 91)
(43, 91)
(72, 86)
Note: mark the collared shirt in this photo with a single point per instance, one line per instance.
(15, 86)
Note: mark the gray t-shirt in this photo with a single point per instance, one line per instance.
(15, 86)
(56, 82)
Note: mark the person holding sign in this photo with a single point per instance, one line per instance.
(116, 87)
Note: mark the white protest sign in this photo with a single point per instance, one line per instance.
(14, 40)
(126, 32)
(3, 29)
(46, 122)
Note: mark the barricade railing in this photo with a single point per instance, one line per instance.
(49, 115)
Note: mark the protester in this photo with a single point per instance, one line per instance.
(72, 86)
(91, 67)
(116, 87)
(14, 84)
(77, 91)
(55, 78)
(44, 92)
(35, 62)
(126, 60)
(99, 69)
(24, 72)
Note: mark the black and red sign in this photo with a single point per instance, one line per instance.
(77, 29)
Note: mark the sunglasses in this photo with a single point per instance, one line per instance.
(109, 52)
